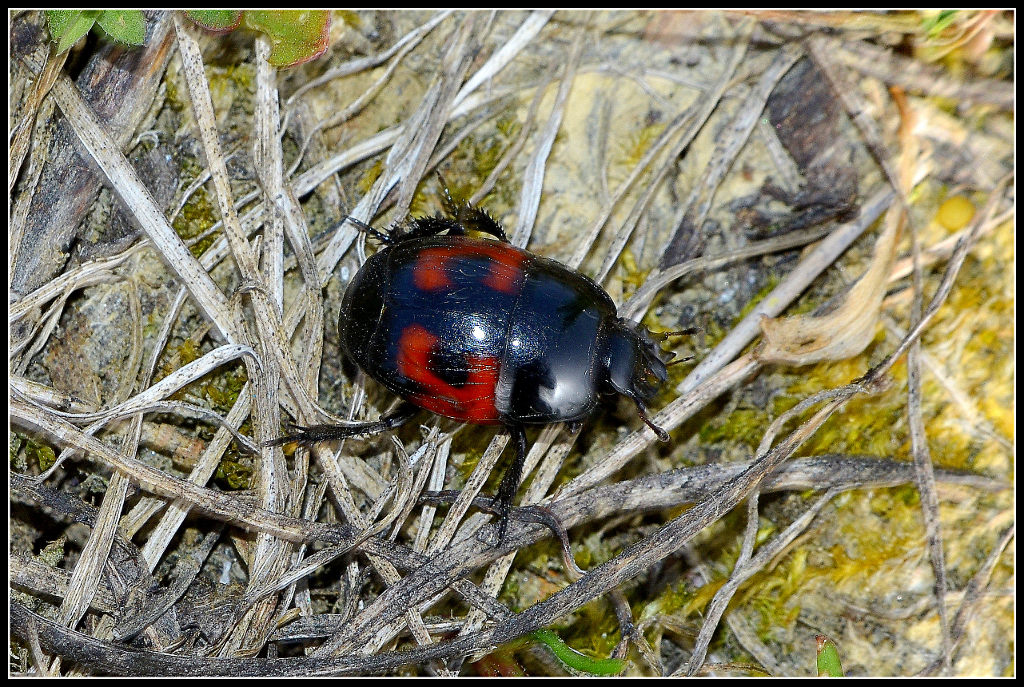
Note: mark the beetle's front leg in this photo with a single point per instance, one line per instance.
(470, 216)
(314, 434)
(510, 480)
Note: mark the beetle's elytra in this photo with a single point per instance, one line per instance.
(484, 332)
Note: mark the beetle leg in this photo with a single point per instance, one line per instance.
(642, 411)
(314, 434)
(470, 216)
(510, 480)
(467, 217)
(384, 238)
(662, 336)
(478, 220)
(448, 203)
(420, 227)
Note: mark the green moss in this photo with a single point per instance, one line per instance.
(43, 455)
(597, 629)
(713, 333)
(509, 126)
(221, 387)
(673, 599)
(175, 357)
(15, 458)
(635, 277)
(34, 452)
(172, 95)
(868, 424)
(983, 339)
(771, 594)
(510, 593)
(52, 554)
(370, 176)
(593, 550)
(188, 352)
(773, 617)
(631, 151)
(233, 474)
(473, 442)
(746, 425)
(773, 281)
(195, 219)
(242, 76)
(875, 539)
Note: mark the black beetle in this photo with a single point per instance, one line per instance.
(484, 332)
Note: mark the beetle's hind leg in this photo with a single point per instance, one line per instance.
(510, 480)
(314, 434)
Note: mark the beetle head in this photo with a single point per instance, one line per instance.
(635, 366)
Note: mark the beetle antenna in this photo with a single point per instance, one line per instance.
(680, 361)
(376, 233)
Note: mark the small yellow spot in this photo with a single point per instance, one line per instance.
(955, 213)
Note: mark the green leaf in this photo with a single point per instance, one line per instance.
(67, 26)
(574, 659)
(828, 658)
(124, 26)
(296, 36)
(220, 21)
(935, 25)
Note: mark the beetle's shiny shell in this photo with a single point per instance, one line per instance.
(478, 330)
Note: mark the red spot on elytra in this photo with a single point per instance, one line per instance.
(471, 402)
(430, 273)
